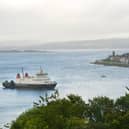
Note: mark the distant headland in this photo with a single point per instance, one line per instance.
(109, 43)
(115, 60)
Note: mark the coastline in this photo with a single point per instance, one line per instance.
(115, 60)
(109, 63)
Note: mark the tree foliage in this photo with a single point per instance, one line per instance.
(51, 112)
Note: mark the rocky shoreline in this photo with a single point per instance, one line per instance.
(110, 63)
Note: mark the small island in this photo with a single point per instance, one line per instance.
(115, 60)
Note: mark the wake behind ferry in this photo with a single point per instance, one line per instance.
(40, 80)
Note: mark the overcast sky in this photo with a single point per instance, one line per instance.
(63, 20)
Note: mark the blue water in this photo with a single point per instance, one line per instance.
(71, 69)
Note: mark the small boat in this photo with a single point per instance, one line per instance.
(103, 76)
(40, 80)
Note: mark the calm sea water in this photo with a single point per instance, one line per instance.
(71, 69)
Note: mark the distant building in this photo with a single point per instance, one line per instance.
(113, 53)
(124, 59)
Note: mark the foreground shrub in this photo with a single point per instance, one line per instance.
(73, 113)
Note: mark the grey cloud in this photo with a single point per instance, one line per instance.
(63, 20)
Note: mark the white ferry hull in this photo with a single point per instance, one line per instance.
(13, 85)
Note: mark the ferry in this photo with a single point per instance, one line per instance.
(39, 80)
